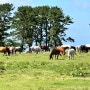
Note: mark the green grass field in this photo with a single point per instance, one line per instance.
(37, 72)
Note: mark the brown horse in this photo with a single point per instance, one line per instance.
(12, 49)
(62, 50)
(57, 51)
(5, 50)
(45, 48)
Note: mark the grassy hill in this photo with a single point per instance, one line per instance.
(36, 72)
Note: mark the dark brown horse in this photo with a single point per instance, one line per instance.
(5, 50)
(19, 49)
(83, 48)
(45, 48)
(57, 51)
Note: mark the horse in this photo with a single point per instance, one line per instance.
(68, 46)
(18, 49)
(87, 46)
(45, 48)
(62, 50)
(5, 50)
(57, 51)
(71, 53)
(83, 48)
(35, 49)
(12, 49)
(78, 48)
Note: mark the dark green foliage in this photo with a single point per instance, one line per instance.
(5, 21)
(42, 25)
(24, 23)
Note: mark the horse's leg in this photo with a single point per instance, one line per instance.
(52, 57)
(36, 52)
(60, 54)
(11, 51)
(57, 57)
(69, 57)
(73, 56)
(4, 53)
(19, 52)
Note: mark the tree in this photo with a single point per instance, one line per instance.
(5, 21)
(42, 24)
(23, 24)
(58, 23)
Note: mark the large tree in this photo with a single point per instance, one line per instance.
(42, 24)
(58, 23)
(24, 23)
(5, 21)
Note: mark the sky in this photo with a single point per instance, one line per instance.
(78, 10)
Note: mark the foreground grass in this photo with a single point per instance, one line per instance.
(37, 72)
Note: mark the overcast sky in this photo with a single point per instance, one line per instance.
(78, 10)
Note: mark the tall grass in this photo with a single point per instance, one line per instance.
(36, 72)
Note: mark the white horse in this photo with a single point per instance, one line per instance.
(71, 53)
(35, 49)
(78, 48)
(66, 46)
(88, 46)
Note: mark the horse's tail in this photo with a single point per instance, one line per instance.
(50, 56)
(8, 50)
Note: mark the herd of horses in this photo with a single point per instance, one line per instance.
(71, 50)
(55, 52)
(10, 50)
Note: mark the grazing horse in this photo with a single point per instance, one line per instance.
(35, 49)
(68, 46)
(71, 53)
(78, 48)
(87, 46)
(57, 51)
(12, 49)
(83, 48)
(18, 49)
(45, 48)
(5, 50)
(62, 50)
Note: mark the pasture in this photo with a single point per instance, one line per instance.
(36, 72)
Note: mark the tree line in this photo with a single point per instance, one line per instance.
(43, 25)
